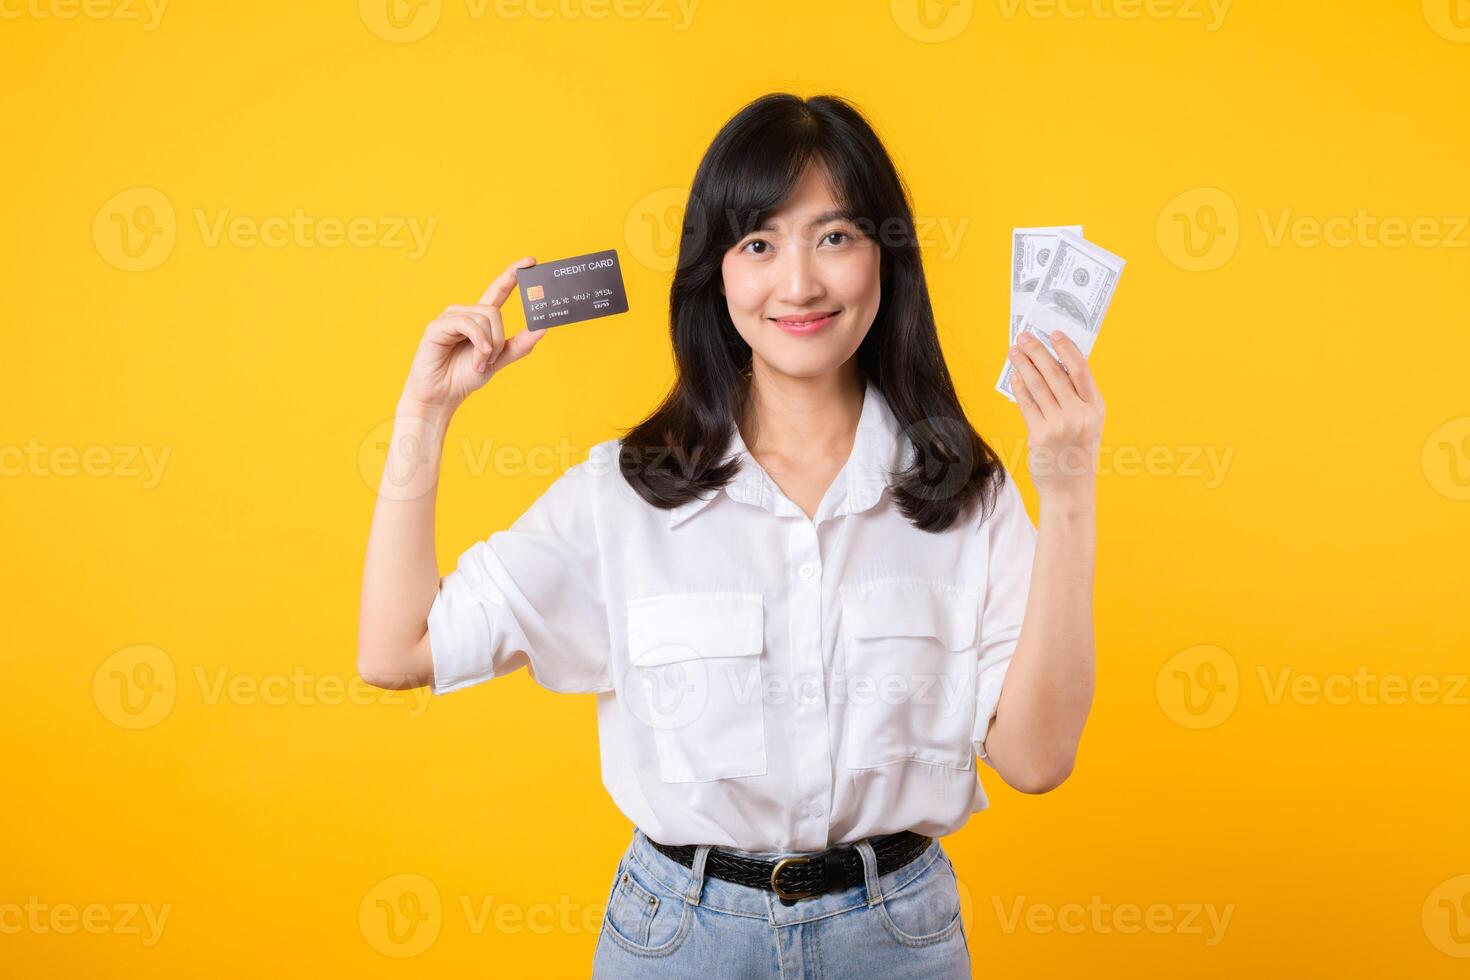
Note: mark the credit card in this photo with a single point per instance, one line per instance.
(583, 287)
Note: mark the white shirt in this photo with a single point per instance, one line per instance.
(765, 681)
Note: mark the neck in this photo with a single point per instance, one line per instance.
(794, 418)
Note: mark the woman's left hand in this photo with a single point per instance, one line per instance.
(1064, 416)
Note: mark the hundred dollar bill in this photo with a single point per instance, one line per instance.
(1031, 250)
(1073, 297)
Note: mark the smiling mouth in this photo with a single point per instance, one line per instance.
(805, 322)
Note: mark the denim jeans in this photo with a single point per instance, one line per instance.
(666, 920)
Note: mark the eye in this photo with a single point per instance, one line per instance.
(755, 241)
(840, 234)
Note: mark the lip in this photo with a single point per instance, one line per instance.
(806, 323)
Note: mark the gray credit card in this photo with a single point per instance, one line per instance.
(583, 287)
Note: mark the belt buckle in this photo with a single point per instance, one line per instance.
(776, 873)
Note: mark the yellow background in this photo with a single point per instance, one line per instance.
(270, 817)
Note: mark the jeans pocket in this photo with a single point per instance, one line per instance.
(644, 917)
(927, 909)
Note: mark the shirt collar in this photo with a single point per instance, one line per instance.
(875, 452)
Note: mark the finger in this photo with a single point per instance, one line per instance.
(498, 290)
(489, 317)
(1076, 366)
(1050, 368)
(1030, 411)
(1041, 392)
(518, 347)
(453, 326)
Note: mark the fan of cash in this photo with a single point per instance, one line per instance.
(1059, 281)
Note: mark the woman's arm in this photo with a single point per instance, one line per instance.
(401, 571)
(1033, 738)
(460, 351)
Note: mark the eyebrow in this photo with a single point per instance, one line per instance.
(820, 219)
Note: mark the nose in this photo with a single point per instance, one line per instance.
(799, 281)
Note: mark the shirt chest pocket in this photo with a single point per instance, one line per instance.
(695, 682)
(910, 651)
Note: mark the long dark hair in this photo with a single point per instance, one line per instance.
(756, 159)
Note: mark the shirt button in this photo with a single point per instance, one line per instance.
(807, 570)
(815, 809)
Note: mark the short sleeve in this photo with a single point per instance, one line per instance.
(1011, 547)
(530, 596)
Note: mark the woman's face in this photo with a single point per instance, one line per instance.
(803, 289)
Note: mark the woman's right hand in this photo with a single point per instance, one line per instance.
(464, 347)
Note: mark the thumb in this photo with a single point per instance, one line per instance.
(517, 346)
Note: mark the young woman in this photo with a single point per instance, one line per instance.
(804, 591)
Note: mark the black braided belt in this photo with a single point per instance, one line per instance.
(807, 875)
